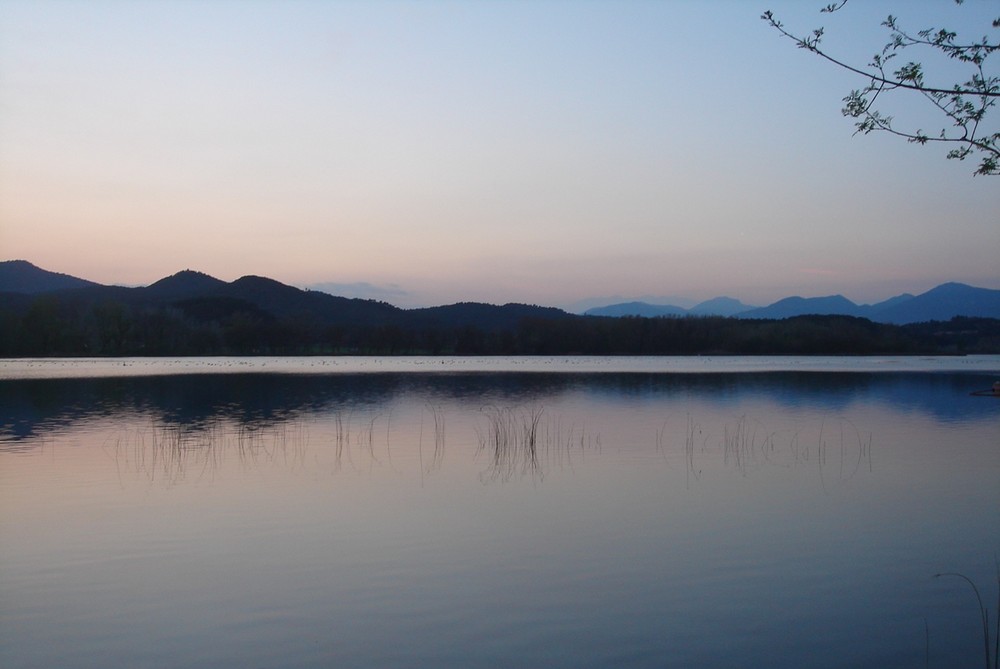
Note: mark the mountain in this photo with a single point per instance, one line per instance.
(941, 304)
(719, 306)
(184, 285)
(20, 281)
(832, 305)
(20, 276)
(192, 313)
(290, 303)
(891, 302)
(637, 309)
(938, 304)
(205, 298)
(486, 316)
(278, 300)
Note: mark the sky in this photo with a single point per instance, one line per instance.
(552, 152)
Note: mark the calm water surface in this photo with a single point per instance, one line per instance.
(576, 512)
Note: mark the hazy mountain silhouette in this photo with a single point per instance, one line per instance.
(832, 305)
(637, 309)
(487, 316)
(942, 303)
(719, 306)
(891, 302)
(938, 304)
(260, 298)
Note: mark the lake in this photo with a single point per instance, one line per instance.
(497, 512)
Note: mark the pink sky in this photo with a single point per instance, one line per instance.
(437, 152)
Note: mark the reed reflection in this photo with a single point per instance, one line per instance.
(171, 454)
(29, 408)
(436, 457)
(745, 445)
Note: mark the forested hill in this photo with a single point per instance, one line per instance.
(191, 313)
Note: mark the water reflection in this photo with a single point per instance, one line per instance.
(34, 407)
(494, 520)
(170, 454)
(748, 444)
(511, 442)
(436, 457)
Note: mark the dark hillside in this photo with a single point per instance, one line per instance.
(184, 285)
(289, 303)
(20, 276)
(958, 335)
(191, 313)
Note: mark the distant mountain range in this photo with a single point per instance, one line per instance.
(200, 295)
(938, 304)
(718, 306)
(44, 313)
(266, 298)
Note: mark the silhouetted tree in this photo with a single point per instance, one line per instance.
(113, 326)
(964, 105)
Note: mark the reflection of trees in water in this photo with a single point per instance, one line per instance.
(525, 441)
(30, 409)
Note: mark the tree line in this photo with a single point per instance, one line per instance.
(49, 326)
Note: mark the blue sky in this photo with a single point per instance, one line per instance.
(431, 152)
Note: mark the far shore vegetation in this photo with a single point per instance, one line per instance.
(49, 326)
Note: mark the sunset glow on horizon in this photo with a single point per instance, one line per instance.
(434, 152)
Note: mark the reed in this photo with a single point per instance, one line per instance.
(437, 457)
(991, 657)
(689, 468)
(525, 441)
(512, 441)
(439, 437)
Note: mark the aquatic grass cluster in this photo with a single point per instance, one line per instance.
(511, 441)
(519, 443)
